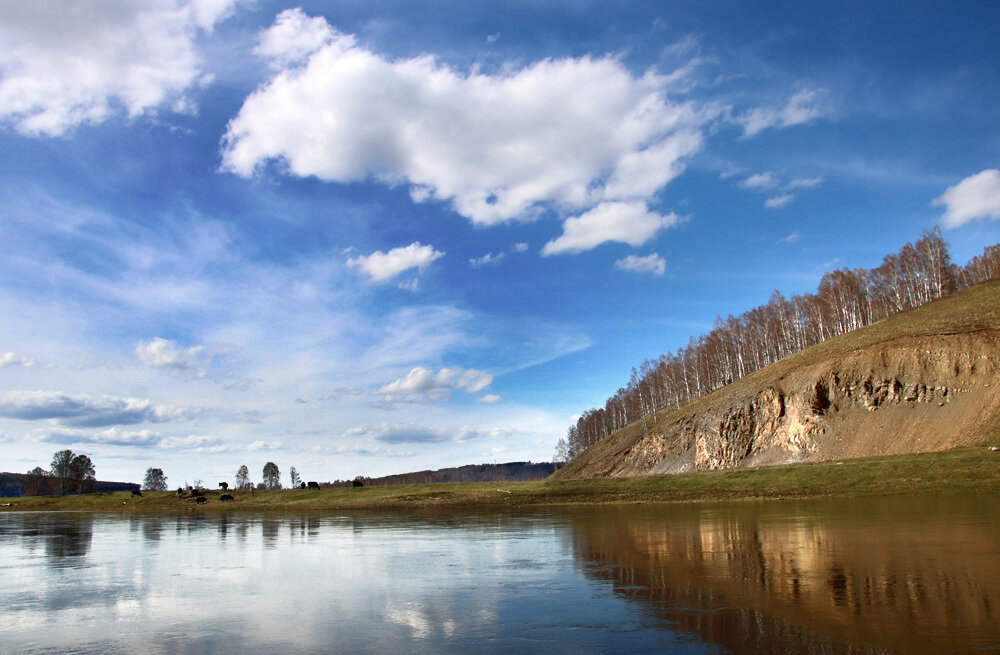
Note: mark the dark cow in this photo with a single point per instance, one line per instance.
(224, 486)
(136, 492)
(197, 493)
(313, 485)
(357, 483)
(225, 497)
(180, 491)
(302, 485)
(200, 499)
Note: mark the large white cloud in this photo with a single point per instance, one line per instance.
(64, 62)
(381, 266)
(567, 134)
(626, 222)
(976, 197)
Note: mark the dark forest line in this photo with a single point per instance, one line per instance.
(845, 300)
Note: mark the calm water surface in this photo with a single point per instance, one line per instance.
(894, 575)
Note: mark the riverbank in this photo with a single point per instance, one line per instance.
(974, 470)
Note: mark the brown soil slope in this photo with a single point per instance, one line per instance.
(923, 380)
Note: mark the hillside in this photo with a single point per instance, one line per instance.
(922, 380)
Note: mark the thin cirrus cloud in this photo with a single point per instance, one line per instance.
(67, 63)
(977, 197)
(768, 182)
(82, 410)
(653, 264)
(396, 433)
(803, 107)
(413, 120)
(383, 266)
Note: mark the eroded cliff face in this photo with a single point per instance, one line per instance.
(910, 397)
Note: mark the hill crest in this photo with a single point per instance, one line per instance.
(922, 380)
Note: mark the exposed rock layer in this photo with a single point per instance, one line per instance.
(890, 390)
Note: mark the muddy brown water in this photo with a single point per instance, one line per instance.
(883, 575)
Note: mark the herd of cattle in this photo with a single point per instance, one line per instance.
(198, 495)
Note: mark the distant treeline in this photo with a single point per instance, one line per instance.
(846, 300)
(27, 484)
(509, 472)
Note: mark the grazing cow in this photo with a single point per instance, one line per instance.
(313, 485)
(136, 492)
(197, 493)
(224, 486)
(200, 499)
(225, 497)
(302, 485)
(180, 491)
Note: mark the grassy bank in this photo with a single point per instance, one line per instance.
(974, 470)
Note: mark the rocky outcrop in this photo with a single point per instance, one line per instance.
(904, 399)
(891, 397)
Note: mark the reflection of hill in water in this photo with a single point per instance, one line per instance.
(886, 575)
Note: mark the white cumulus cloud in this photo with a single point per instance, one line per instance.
(163, 353)
(489, 399)
(423, 385)
(626, 222)
(64, 63)
(649, 264)
(567, 134)
(381, 266)
(977, 197)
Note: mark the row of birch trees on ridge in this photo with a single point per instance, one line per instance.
(846, 299)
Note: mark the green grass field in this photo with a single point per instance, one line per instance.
(970, 470)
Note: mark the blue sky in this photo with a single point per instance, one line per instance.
(366, 238)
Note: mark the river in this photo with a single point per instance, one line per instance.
(882, 575)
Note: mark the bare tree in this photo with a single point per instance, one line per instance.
(243, 477)
(294, 475)
(845, 300)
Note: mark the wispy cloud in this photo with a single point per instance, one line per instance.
(804, 107)
(777, 202)
(396, 433)
(486, 260)
(652, 263)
